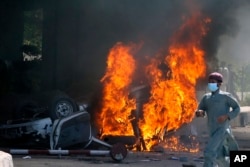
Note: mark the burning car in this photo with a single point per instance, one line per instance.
(171, 76)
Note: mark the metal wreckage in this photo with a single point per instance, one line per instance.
(63, 129)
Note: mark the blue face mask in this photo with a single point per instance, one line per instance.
(212, 87)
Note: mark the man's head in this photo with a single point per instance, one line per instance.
(215, 76)
(215, 80)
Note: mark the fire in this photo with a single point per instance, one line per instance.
(116, 106)
(172, 98)
(174, 144)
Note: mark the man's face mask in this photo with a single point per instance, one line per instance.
(212, 87)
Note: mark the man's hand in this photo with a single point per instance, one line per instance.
(222, 118)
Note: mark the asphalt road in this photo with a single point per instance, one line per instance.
(133, 159)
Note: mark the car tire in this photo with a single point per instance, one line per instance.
(61, 106)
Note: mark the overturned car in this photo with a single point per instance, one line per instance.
(72, 132)
(27, 120)
(32, 117)
(52, 128)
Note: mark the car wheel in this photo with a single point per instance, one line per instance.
(61, 106)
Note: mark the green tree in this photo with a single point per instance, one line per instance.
(33, 21)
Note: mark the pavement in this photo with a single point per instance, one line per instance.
(160, 158)
(134, 159)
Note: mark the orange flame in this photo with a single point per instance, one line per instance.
(174, 144)
(116, 106)
(173, 98)
(173, 95)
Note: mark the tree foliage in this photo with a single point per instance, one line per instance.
(33, 21)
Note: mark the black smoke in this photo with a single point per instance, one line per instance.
(224, 22)
(97, 25)
(153, 22)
